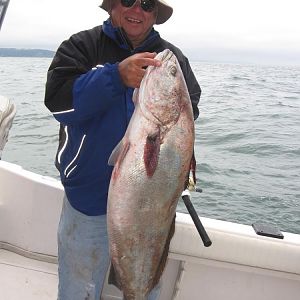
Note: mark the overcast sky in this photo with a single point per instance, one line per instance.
(217, 30)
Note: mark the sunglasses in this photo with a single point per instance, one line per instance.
(146, 5)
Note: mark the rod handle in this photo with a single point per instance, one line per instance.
(201, 230)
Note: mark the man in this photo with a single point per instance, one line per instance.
(89, 91)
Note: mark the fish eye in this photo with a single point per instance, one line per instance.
(173, 71)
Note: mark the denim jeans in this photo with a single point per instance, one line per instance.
(83, 257)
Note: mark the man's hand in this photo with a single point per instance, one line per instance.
(132, 69)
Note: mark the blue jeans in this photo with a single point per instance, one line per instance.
(83, 257)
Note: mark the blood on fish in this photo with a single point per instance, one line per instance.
(151, 153)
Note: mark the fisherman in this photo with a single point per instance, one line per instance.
(89, 91)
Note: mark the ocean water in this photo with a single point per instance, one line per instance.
(247, 137)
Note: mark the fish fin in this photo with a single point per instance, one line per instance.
(193, 167)
(164, 256)
(113, 277)
(118, 153)
(151, 153)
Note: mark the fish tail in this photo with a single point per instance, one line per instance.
(135, 297)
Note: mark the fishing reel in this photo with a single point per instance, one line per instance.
(186, 197)
(192, 186)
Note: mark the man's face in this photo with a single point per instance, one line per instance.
(134, 20)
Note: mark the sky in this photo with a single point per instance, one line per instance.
(258, 31)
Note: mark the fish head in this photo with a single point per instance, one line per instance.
(163, 91)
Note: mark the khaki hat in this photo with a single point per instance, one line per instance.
(164, 10)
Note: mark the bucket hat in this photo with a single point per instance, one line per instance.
(164, 10)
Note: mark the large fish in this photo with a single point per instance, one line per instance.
(151, 165)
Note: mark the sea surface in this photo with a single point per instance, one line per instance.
(247, 137)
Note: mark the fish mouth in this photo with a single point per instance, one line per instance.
(165, 55)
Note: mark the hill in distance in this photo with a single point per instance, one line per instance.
(16, 52)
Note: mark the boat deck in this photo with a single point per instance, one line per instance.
(26, 278)
(33, 279)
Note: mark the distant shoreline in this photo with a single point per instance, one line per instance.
(205, 56)
(17, 52)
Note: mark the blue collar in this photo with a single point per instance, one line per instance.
(119, 36)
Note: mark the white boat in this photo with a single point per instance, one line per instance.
(240, 265)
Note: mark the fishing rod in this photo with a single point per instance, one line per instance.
(186, 197)
(3, 8)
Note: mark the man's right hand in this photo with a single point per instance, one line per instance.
(132, 69)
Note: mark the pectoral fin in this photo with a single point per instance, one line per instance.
(119, 153)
